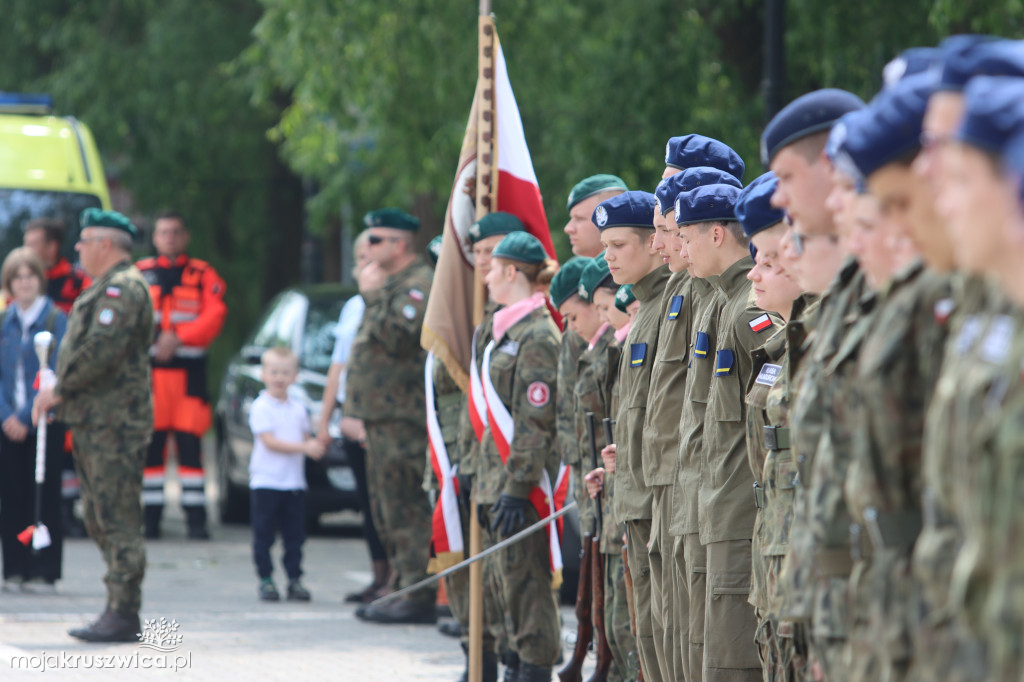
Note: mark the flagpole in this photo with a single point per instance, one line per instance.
(486, 199)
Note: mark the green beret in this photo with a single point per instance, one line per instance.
(434, 249)
(624, 296)
(522, 247)
(95, 217)
(566, 280)
(595, 184)
(596, 272)
(394, 218)
(492, 224)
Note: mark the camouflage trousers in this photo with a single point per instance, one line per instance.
(457, 587)
(110, 462)
(616, 621)
(394, 475)
(638, 533)
(829, 629)
(520, 579)
(782, 643)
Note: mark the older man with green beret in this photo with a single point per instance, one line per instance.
(103, 393)
(584, 237)
(385, 389)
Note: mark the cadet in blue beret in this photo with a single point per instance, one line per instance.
(627, 232)
(910, 62)
(690, 151)
(584, 237)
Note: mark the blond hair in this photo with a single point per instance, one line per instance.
(283, 353)
(22, 256)
(537, 274)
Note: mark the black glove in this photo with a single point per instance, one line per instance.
(509, 514)
(465, 487)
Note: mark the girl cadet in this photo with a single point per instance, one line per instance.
(518, 470)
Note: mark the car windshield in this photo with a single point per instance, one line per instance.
(318, 336)
(18, 206)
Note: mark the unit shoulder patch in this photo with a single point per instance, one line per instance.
(106, 316)
(761, 322)
(538, 393)
(768, 375)
(637, 354)
(409, 311)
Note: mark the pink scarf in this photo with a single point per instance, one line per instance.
(621, 334)
(600, 332)
(505, 318)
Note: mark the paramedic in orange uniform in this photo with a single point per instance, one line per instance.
(189, 311)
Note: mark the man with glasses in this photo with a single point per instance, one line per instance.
(384, 388)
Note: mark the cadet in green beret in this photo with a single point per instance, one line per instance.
(384, 389)
(584, 237)
(104, 393)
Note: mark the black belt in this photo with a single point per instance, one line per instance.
(776, 437)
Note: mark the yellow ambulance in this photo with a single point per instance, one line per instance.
(49, 167)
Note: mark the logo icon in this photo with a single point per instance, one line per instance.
(160, 635)
(601, 215)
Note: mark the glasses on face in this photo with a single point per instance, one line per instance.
(799, 239)
(374, 240)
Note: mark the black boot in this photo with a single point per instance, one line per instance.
(510, 660)
(406, 611)
(490, 666)
(73, 527)
(152, 516)
(112, 626)
(195, 517)
(381, 573)
(529, 672)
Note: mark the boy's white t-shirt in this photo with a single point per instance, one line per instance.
(286, 420)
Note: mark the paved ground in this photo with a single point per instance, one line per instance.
(227, 634)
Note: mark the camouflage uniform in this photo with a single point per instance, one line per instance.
(572, 448)
(726, 506)
(813, 580)
(661, 444)
(633, 497)
(688, 557)
(103, 381)
(385, 390)
(942, 646)
(526, 355)
(897, 371)
(593, 393)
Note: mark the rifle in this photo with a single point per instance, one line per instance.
(573, 669)
(604, 652)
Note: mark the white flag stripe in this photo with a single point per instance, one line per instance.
(513, 154)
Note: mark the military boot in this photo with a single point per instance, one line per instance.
(490, 666)
(112, 626)
(381, 574)
(400, 611)
(195, 517)
(529, 672)
(153, 514)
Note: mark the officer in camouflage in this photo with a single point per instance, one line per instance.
(385, 389)
(104, 393)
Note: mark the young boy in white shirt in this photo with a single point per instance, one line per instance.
(277, 477)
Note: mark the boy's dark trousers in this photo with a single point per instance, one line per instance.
(273, 510)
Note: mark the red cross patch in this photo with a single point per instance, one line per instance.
(538, 394)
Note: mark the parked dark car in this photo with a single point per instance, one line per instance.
(303, 318)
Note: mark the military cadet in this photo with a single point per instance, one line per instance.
(668, 378)
(519, 470)
(792, 145)
(716, 247)
(189, 310)
(690, 151)
(584, 237)
(627, 232)
(768, 452)
(595, 392)
(104, 393)
(484, 235)
(383, 389)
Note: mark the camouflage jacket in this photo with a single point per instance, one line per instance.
(633, 498)
(668, 382)
(726, 505)
(707, 304)
(523, 370)
(385, 374)
(103, 367)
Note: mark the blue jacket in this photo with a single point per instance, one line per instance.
(11, 347)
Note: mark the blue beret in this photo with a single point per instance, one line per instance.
(566, 281)
(754, 207)
(629, 209)
(890, 128)
(994, 112)
(689, 151)
(967, 56)
(691, 178)
(595, 184)
(910, 62)
(710, 203)
(808, 114)
(394, 218)
(522, 247)
(94, 217)
(835, 147)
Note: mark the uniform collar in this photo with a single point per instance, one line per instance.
(652, 284)
(734, 278)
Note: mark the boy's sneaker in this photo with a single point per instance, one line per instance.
(267, 590)
(296, 591)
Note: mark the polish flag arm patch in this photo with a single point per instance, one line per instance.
(538, 393)
(760, 323)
